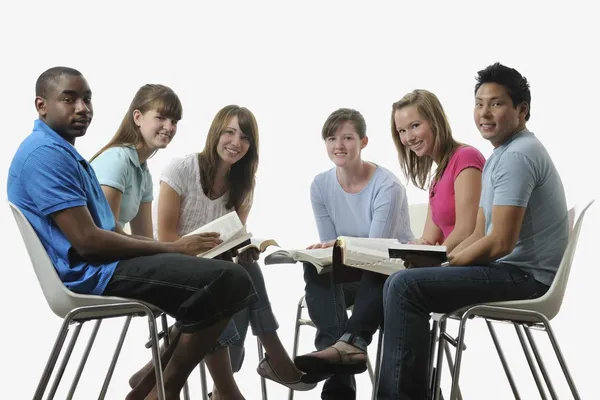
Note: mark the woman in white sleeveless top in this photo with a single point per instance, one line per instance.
(201, 187)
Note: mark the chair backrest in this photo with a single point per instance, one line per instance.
(418, 216)
(553, 298)
(60, 299)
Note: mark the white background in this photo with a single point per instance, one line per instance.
(293, 64)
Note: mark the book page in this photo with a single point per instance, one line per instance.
(374, 247)
(228, 226)
(323, 255)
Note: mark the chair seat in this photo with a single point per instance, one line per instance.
(524, 311)
(74, 301)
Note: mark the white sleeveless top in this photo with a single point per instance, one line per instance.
(196, 210)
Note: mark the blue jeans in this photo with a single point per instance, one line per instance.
(411, 295)
(327, 302)
(258, 315)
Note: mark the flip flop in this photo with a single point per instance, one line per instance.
(314, 365)
(265, 369)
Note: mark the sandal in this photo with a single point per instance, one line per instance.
(315, 365)
(265, 369)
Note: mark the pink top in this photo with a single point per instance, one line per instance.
(441, 193)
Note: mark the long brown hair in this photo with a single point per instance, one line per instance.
(418, 169)
(242, 175)
(149, 97)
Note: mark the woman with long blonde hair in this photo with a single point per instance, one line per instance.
(423, 138)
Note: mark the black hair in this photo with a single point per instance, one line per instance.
(48, 78)
(515, 84)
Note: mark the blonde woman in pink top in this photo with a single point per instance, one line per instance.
(423, 137)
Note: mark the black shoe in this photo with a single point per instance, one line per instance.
(314, 378)
(339, 387)
(312, 364)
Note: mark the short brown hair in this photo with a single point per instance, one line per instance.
(338, 117)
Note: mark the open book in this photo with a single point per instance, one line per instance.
(258, 244)
(403, 251)
(320, 258)
(370, 254)
(233, 234)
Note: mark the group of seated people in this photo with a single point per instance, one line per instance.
(503, 221)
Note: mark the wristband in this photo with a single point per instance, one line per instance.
(445, 264)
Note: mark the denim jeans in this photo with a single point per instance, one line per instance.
(327, 303)
(197, 292)
(411, 295)
(258, 315)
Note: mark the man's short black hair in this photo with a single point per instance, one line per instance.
(48, 78)
(515, 84)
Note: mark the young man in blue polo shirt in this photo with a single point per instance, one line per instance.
(514, 252)
(57, 191)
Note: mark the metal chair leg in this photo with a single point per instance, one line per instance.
(203, 384)
(167, 340)
(84, 357)
(451, 364)
(113, 363)
(263, 381)
(505, 366)
(377, 365)
(460, 346)
(160, 384)
(437, 373)
(559, 356)
(65, 360)
(540, 362)
(296, 339)
(530, 362)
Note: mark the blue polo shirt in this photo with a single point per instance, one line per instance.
(48, 175)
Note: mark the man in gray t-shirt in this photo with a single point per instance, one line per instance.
(520, 175)
(513, 253)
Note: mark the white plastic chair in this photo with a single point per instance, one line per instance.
(77, 309)
(524, 315)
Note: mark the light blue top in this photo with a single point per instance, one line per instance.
(380, 210)
(120, 168)
(521, 173)
(48, 175)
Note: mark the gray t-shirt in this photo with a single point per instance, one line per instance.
(521, 173)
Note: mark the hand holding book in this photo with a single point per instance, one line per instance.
(197, 243)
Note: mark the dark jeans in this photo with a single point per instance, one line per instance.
(327, 303)
(412, 294)
(197, 292)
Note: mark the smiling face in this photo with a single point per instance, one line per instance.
(233, 143)
(495, 115)
(414, 131)
(67, 107)
(345, 145)
(157, 130)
